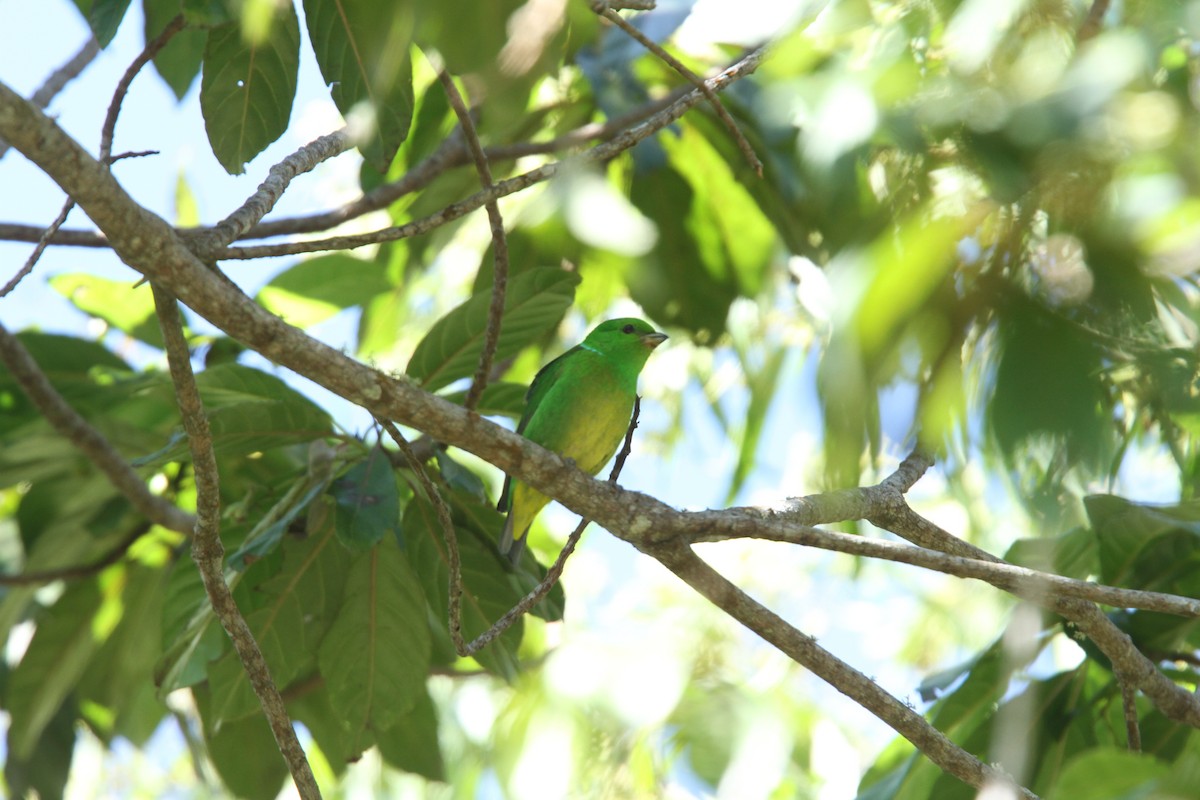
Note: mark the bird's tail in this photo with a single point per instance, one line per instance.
(510, 545)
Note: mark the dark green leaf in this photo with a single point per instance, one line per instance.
(375, 657)
(362, 47)
(46, 769)
(498, 399)
(368, 502)
(247, 89)
(63, 644)
(534, 303)
(460, 478)
(244, 752)
(105, 18)
(412, 743)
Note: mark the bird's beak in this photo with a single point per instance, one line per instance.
(653, 340)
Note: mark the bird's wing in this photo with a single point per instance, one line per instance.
(542, 382)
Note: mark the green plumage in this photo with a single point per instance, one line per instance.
(579, 406)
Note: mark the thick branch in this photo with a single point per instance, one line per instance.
(208, 552)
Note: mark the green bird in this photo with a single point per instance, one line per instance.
(579, 405)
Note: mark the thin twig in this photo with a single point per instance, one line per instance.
(621, 142)
(804, 650)
(1133, 730)
(259, 204)
(454, 567)
(1020, 581)
(603, 9)
(1093, 21)
(58, 80)
(499, 244)
(90, 442)
(42, 577)
(39, 248)
(114, 107)
(209, 554)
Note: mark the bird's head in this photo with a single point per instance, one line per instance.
(624, 336)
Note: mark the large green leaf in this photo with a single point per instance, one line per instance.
(118, 303)
(298, 604)
(249, 411)
(467, 35)
(362, 47)
(1107, 773)
(534, 303)
(46, 769)
(320, 287)
(63, 644)
(375, 657)
(118, 685)
(247, 89)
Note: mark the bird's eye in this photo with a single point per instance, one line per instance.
(627, 329)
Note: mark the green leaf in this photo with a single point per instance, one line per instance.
(1143, 546)
(367, 502)
(46, 769)
(460, 478)
(362, 48)
(118, 303)
(249, 411)
(534, 303)
(412, 743)
(488, 591)
(498, 399)
(1047, 382)
(260, 542)
(244, 752)
(318, 288)
(467, 35)
(686, 280)
(191, 636)
(120, 677)
(298, 604)
(375, 657)
(1074, 554)
(64, 642)
(246, 91)
(105, 17)
(178, 63)
(1109, 773)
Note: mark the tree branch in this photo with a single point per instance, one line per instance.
(602, 7)
(804, 650)
(622, 141)
(208, 552)
(499, 245)
(148, 244)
